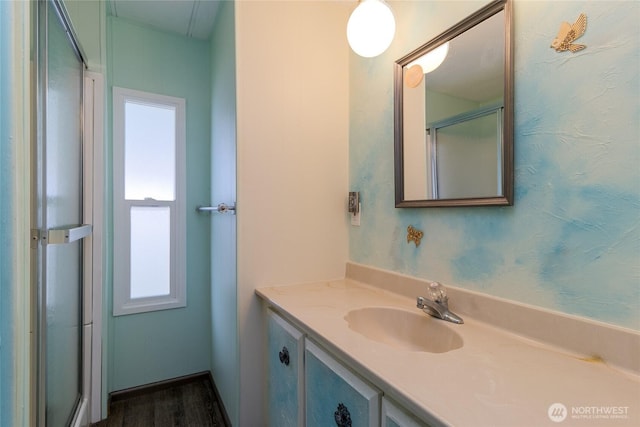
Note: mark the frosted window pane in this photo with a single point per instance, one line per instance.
(150, 251)
(150, 151)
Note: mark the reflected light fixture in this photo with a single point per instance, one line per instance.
(371, 28)
(433, 59)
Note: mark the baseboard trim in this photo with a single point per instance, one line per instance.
(173, 382)
(219, 399)
(115, 396)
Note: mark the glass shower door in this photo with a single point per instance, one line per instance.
(59, 214)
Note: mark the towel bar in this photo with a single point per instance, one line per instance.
(221, 208)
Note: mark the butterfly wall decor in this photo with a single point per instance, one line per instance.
(414, 235)
(569, 33)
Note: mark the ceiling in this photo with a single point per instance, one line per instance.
(474, 67)
(190, 18)
(196, 18)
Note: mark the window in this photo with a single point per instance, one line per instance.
(149, 202)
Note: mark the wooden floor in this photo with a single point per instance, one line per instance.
(187, 403)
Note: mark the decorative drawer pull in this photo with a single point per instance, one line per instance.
(284, 356)
(342, 416)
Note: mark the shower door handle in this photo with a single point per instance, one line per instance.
(68, 234)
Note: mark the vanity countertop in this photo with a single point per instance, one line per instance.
(496, 378)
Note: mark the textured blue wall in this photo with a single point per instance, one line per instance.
(571, 242)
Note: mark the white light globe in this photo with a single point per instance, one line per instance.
(371, 28)
(432, 59)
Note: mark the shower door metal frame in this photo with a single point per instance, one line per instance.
(39, 235)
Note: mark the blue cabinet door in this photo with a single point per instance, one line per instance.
(285, 380)
(335, 396)
(394, 416)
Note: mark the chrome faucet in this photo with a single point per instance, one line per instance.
(436, 304)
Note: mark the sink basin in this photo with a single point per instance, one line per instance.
(405, 330)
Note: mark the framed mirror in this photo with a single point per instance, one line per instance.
(453, 122)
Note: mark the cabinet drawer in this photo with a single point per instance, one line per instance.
(334, 394)
(285, 373)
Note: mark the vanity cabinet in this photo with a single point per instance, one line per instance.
(336, 396)
(285, 382)
(309, 387)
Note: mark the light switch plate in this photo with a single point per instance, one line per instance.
(354, 202)
(355, 218)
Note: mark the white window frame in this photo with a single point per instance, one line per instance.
(122, 302)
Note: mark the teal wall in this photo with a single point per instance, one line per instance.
(15, 135)
(225, 362)
(571, 242)
(148, 347)
(441, 106)
(6, 212)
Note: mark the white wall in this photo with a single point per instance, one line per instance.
(415, 145)
(89, 19)
(292, 105)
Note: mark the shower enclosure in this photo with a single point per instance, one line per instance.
(57, 217)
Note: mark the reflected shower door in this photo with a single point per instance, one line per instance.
(59, 207)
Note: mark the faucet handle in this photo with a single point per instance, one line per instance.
(437, 293)
(420, 302)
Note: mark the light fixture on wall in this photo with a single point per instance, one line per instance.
(371, 28)
(432, 59)
(425, 64)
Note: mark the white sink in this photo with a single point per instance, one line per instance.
(404, 330)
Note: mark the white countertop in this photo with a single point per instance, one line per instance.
(495, 379)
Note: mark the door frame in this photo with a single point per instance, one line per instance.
(90, 179)
(93, 321)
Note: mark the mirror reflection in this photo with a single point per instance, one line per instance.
(453, 116)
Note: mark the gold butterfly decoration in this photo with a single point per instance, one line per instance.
(414, 235)
(570, 33)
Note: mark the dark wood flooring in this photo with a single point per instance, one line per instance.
(189, 402)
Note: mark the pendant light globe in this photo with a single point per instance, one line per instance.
(371, 28)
